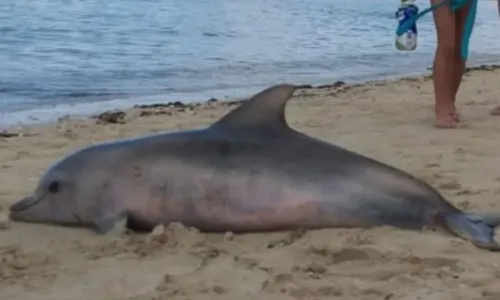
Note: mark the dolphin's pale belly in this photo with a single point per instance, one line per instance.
(237, 199)
(223, 200)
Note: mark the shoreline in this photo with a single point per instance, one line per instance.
(98, 108)
(120, 116)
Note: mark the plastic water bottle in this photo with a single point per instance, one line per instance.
(408, 40)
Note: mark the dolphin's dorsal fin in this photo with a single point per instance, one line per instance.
(264, 109)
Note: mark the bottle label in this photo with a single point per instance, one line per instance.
(406, 13)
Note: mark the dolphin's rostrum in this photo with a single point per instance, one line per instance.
(247, 172)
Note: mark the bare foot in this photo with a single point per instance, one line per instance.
(495, 111)
(445, 121)
(447, 115)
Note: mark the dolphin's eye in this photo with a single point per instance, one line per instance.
(54, 187)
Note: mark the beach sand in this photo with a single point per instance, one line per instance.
(389, 121)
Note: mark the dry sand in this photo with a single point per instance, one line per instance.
(389, 121)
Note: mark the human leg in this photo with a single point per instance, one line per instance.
(496, 111)
(459, 68)
(444, 66)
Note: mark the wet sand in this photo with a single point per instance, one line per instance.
(389, 121)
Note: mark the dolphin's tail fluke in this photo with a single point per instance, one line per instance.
(479, 229)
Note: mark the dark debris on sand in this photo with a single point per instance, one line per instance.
(155, 109)
(180, 106)
(335, 85)
(176, 104)
(468, 70)
(167, 109)
(481, 68)
(111, 117)
(8, 134)
(170, 108)
(334, 88)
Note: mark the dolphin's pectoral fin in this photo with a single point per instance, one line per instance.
(479, 229)
(111, 223)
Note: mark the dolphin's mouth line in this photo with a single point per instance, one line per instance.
(77, 218)
(14, 209)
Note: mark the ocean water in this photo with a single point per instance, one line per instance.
(78, 57)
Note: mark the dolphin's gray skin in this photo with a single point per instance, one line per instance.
(247, 172)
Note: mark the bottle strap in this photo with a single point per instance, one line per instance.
(455, 4)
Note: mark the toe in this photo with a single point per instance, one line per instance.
(445, 123)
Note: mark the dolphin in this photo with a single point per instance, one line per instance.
(247, 172)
